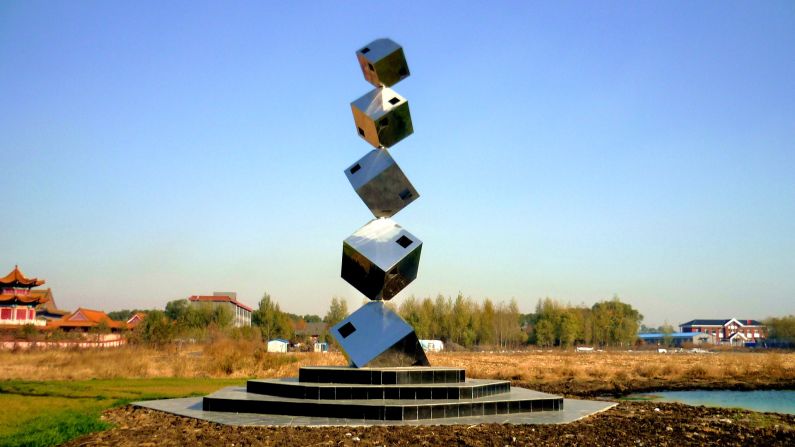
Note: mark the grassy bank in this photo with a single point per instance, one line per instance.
(44, 413)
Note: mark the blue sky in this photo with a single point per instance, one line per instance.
(577, 150)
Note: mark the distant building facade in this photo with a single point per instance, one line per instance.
(241, 314)
(730, 331)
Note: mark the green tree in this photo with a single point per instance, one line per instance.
(409, 310)
(156, 329)
(781, 328)
(615, 323)
(545, 333)
(177, 309)
(568, 327)
(486, 332)
(272, 322)
(461, 320)
(667, 330)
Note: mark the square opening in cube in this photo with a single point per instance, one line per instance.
(405, 194)
(365, 50)
(394, 101)
(355, 168)
(404, 241)
(370, 66)
(384, 122)
(403, 72)
(346, 329)
(361, 131)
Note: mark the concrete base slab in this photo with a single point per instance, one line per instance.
(573, 409)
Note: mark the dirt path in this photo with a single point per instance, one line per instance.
(630, 423)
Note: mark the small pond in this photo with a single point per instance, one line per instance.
(776, 401)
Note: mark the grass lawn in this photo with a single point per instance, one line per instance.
(46, 413)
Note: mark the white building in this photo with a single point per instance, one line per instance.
(278, 345)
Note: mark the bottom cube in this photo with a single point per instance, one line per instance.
(374, 335)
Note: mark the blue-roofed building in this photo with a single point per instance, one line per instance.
(676, 338)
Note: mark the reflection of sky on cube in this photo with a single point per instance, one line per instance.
(377, 242)
(376, 329)
(375, 103)
(379, 48)
(370, 166)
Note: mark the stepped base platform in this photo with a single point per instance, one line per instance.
(518, 400)
(366, 396)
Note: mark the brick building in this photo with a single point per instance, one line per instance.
(731, 331)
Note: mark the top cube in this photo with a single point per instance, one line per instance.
(383, 63)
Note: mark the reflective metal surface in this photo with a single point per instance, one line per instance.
(380, 259)
(382, 117)
(374, 330)
(383, 62)
(381, 184)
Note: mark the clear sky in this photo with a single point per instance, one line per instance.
(154, 150)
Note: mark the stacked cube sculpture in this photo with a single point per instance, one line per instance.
(381, 258)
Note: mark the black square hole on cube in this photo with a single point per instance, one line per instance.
(365, 50)
(404, 241)
(361, 131)
(370, 66)
(384, 122)
(346, 329)
(394, 101)
(355, 168)
(405, 194)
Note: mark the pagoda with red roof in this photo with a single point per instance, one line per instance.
(17, 303)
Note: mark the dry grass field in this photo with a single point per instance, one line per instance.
(221, 359)
(554, 371)
(619, 372)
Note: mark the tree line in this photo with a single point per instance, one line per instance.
(606, 323)
(460, 321)
(464, 321)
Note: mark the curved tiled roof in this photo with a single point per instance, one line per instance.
(18, 279)
(88, 318)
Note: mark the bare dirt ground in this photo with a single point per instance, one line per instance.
(631, 423)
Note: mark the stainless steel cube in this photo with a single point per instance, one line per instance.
(381, 184)
(382, 117)
(374, 335)
(383, 63)
(380, 259)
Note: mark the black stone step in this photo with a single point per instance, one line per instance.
(380, 376)
(518, 400)
(472, 388)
